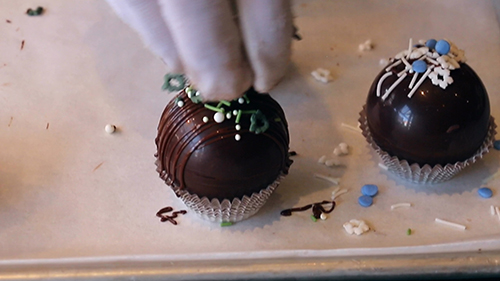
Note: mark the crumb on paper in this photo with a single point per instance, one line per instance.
(322, 75)
(366, 46)
(98, 166)
(47, 127)
(10, 122)
(357, 227)
(22, 44)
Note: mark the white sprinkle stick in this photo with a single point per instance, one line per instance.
(408, 65)
(393, 65)
(432, 61)
(403, 72)
(420, 81)
(337, 189)
(497, 210)
(384, 167)
(340, 192)
(352, 128)
(410, 46)
(393, 86)
(452, 224)
(335, 181)
(492, 210)
(400, 205)
(413, 79)
(379, 84)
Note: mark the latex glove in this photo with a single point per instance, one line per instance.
(221, 54)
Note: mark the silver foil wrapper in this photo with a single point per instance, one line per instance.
(425, 174)
(228, 210)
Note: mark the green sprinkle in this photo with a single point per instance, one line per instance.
(36, 12)
(196, 99)
(249, 111)
(238, 116)
(213, 108)
(246, 98)
(408, 232)
(224, 102)
(259, 123)
(174, 82)
(277, 119)
(226, 223)
(313, 218)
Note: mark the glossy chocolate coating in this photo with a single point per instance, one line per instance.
(435, 125)
(205, 158)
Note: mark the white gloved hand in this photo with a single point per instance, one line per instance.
(223, 55)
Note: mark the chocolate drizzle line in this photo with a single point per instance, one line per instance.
(170, 218)
(317, 209)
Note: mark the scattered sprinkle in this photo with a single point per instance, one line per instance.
(323, 216)
(497, 210)
(237, 137)
(332, 162)
(485, 192)
(241, 100)
(337, 194)
(408, 232)
(382, 166)
(366, 46)
(400, 205)
(369, 190)
(335, 181)
(341, 149)
(492, 210)
(37, 12)
(352, 128)
(383, 61)
(226, 223)
(47, 127)
(322, 159)
(357, 227)
(335, 190)
(313, 218)
(452, 224)
(98, 166)
(22, 44)
(496, 144)
(365, 201)
(110, 128)
(322, 75)
(219, 117)
(205, 120)
(8, 21)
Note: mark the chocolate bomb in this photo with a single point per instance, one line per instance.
(222, 150)
(436, 125)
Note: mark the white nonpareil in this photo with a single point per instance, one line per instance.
(219, 55)
(322, 75)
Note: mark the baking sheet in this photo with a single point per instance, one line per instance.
(70, 192)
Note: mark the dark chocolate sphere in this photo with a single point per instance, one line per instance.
(223, 150)
(434, 125)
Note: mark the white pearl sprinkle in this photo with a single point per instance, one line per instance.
(219, 117)
(237, 137)
(235, 112)
(110, 128)
(180, 103)
(205, 119)
(323, 216)
(228, 115)
(238, 127)
(241, 100)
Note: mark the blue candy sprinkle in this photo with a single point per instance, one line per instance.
(442, 47)
(365, 201)
(496, 144)
(369, 190)
(419, 66)
(485, 192)
(431, 43)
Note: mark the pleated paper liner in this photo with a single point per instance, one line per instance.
(425, 174)
(234, 210)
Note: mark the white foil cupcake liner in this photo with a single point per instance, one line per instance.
(426, 174)
(228, 210)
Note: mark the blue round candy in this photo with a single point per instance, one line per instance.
(442, 47)
(496, 144)
(431, 43)
(485, 192)
(365, 201)
(369, 190)
(419, 66)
